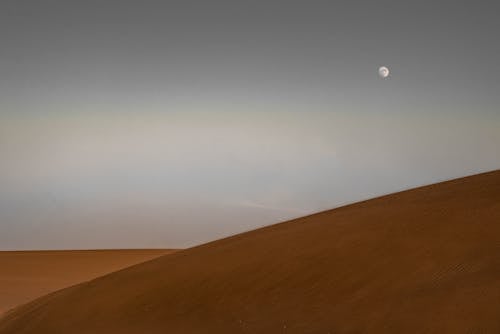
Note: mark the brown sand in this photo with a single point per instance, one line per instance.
(26, 275)
(421, 261)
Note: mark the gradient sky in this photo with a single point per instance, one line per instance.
(130, 124)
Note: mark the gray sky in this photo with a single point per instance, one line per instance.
(171, 123)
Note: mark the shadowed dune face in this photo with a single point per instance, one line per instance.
(26, 275)
(424, 260)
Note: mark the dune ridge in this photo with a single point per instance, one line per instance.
(426, 260)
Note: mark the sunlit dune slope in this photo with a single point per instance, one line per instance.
(425, 260)
(26, 275)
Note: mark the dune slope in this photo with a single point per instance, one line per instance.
(26, 275)
(425, 260)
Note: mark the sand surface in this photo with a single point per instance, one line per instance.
(420, 261)
(26, 275)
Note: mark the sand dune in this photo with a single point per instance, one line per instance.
(27, 275)
(420, 261)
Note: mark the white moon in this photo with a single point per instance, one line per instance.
(383, 72)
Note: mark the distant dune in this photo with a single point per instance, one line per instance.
(425, 260)
(26, 275)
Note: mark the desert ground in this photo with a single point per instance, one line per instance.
(26, 275)
(426, 260)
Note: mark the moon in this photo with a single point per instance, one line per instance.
(383, 72)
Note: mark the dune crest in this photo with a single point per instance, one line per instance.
(419, 261)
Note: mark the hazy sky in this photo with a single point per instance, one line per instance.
(171, 123)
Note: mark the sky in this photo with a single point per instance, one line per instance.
(166, 124)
